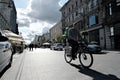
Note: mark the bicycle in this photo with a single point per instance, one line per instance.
(84, 54)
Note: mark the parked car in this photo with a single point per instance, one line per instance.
(56, 46)
(94, 47)
(5, 52)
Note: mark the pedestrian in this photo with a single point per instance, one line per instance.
(29, 47)
(32, 46)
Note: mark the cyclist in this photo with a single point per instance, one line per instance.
(73, 37)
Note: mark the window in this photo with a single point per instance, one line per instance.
(117, 29)
(94, 2)
(118, 2)
(69, 18)
(82, 10)
(89, 6)
(111, 31)
(81, 0)
(76, 13)
(69, 9)
(113, 7)
(72, 7)
(110, 9)
(64, 14)
(93, 19)
(76, 4)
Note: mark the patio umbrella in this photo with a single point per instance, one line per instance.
(46, 43)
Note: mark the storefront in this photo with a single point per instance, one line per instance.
(116, 36)
(94, 36)
(16, 40)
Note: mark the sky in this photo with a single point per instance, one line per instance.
(35, 17)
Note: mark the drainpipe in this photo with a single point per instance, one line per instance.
(104, 36)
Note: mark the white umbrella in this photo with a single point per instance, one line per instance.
(46, 43)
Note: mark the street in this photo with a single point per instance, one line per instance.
(46, 64)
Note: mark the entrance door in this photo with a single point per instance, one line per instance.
(117, 35)
(117, 42)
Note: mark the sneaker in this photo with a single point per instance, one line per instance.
(73, 58)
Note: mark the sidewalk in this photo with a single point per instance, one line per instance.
(111, 51)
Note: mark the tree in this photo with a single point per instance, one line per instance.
(59, 38)
(43, 39)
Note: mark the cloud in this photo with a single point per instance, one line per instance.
(27, 34)
(24, 22)
(62, 2)
(22, 18)
(45, 30)
(37, 28)
(37, 18)
(45, 11)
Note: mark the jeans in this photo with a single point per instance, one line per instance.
(74, 45)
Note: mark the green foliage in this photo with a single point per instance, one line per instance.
(43, 39)
(59, 38)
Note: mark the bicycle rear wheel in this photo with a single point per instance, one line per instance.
(68, 58)
(86, 59)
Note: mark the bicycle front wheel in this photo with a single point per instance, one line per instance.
(68, 58)
(86, 59)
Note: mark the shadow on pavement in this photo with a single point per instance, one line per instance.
(4, 70)
(94, 74)
(101, 53)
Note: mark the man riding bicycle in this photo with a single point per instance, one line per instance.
(76, 42)
(73, 37)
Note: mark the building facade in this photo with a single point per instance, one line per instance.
(9, 14)
(92, 20)
(40, 39)
(111, 10)
(3, 23)
(56, 31)
(46, 37)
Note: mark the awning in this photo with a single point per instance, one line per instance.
(11, 34)
(13, 37)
